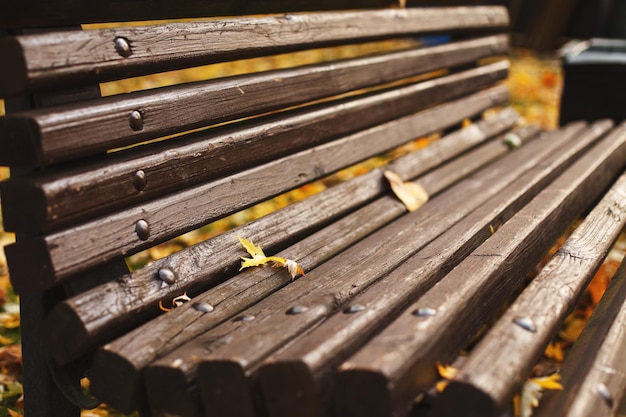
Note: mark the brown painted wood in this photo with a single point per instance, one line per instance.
(191, 208)
(450, 173)
(593, 374)
(500, 364)
(202, 265)
(387, 383)
(64, 196)
(31, 13)
(128, 354)
(67, 132)
(75, 57)
(325, 289)
(299, 379)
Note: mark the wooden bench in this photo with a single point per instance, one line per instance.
(387, 293)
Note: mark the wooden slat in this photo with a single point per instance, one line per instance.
(56, 199)
(33, 13)
(594, 372)
(230, 298)
(299, 380)
(62, 133)
(203, 264)
(398, 363)
(53, 60)
(333, 283)
(499, 365)
(62, 253)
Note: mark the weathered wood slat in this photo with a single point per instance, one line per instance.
(167, 217)
(594, 373)
(93, 127)
(33, 13)
(64, 196)
(165, 333)
(299, 380)
(500, 364)
(384, 377)
(55, 60)
(200, 266)
(326, 288)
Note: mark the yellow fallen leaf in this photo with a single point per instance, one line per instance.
(258, 258)
(528, 399)
(447, 372)
(549, 382)
(554, 351)
(412, 195)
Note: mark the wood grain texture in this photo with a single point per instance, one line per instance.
(66, 132)
(400, 362)
(594, 372)
(58, 198)
(113, 236)
(500, 364)
(129, 354)
(201, 265)
(300, 379)
(32, 13)
(79, 57)
(236, 351)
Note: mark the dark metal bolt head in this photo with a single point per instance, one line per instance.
(296, 310)
(425, 312)
(122, 47)
(354, 308)
(203, 307)
(142, 228)
(525, 323)
(604, 392)
(167, 275)
(140, 180)
(135, 120)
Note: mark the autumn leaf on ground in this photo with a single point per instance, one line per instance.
(412, 195)
(447, 372)
(528, 399)
(554, 351)
(259, 258)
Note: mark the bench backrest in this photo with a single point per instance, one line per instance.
(96, 179)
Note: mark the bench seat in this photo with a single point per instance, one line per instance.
(382, 291)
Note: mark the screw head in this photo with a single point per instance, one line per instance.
(296, 310)
(142, 229)
(135, 120)
(354, 308)
(122, 47)
(425, 312)
(525, 323)
(203, 307)
(140, 180)
(167, 275)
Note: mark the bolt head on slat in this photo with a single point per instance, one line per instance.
(425, 312)
(135, 120)
(140, 180)
(122, 47)
(142, 229)
(296, 310)
(525, 323)
(355, 308)
(203, 307)
(167, 275)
